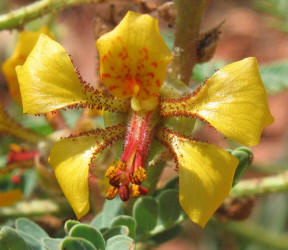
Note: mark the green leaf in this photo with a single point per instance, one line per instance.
(245, 156)
(275, 77)
(33, 243)
(166, 235)
(89, 233)
(29, 181)
(169, 207)
(69, 224)
(51, 244)
(11, 240)
(27, 226)
(116, 230)
(202, 71)
(120, 242)
(103, 230)
(127, 221)
(145, 211)
(111, 209)
(74, 243)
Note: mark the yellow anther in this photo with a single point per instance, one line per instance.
(111, 192)
(15, 148)
(139, 175)
(121, 165)
(134, 190)
(111, 172)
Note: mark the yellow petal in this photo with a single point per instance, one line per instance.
(48, 81)
(70, 159)
(205, 175)
(233, 100)
(10, 197)
(134, 58)
(25, 43)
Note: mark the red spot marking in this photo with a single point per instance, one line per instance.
(145, 52)
(146, 91)
(158, 83)
(104, 58)
(106, 75)
(151, 74)
(154, 64)
(124, 92)
(113, 87)
(112, 68)
(123, 55)
(128, 73)
(118, 77)
(119, 38)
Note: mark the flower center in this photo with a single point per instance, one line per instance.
(127, 174)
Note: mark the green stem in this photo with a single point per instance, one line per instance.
(12, 166)
(30, 12)
(269, 168)
(35, 208)
(254, 233)
(188, 21)
(260, 186)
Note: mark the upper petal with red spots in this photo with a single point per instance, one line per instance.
(134, 58)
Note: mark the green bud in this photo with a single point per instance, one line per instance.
(245, 157)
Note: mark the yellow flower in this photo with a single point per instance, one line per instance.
(25, 43)
(133, 61)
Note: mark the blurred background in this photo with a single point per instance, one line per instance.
(257, 28)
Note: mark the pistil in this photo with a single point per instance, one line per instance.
(127, 174)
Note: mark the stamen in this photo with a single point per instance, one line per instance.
(111, 192)
(127, 174)
(137, 190)
(134, 190)
(111, 172)
(117, 174)
(138, 176)
(124, 192)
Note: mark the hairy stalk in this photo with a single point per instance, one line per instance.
(16, 165)
(260, 186)
(30, 12)
(36, 208)
(188, 21)
(254, 233)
